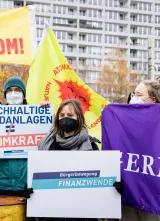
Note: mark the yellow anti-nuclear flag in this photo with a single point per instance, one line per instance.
(51, 78)
(16, 36)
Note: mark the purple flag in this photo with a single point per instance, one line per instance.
(135, 131)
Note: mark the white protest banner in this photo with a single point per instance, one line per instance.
(74, 184)
(22, 127)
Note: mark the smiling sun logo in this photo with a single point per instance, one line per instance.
(71, 90)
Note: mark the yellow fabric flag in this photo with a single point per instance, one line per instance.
(51, 78)
(16, 36)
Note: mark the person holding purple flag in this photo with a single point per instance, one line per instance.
(147, 92)
(134, 130)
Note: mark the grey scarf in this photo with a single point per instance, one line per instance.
(78, 142)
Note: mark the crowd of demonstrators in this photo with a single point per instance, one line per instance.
(69, 132)
(147, 92)
(13, 172)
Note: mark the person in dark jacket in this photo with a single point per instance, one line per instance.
(69, 133)
(13, 172)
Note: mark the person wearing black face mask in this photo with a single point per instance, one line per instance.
(68, 124)
(69, 133)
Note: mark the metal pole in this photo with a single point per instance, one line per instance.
(151, 58)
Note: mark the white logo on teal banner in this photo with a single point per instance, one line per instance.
(71, 179)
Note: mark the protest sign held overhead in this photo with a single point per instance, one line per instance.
(55, 80)
(22, 128)
(16, 36)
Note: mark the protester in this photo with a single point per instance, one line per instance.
(15, 91)
(13, 172)
(147, 92)
(69, 133)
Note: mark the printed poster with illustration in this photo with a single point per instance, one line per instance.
(22, 127)
(61, 82)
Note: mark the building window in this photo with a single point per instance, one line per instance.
(82, 61)
(110, 27)
(133, 41)
(63, 47)
(133, 17)
(89, 37)
(89, 12)
(133, 5)
(157, 7)
(110, 14)
(121, 16)
(94, 38)
(70, 48)
(121, 28)
(157, 31)
(6, 4)
(110, 39)
(81, 49)
(41, 20)
(70, 36)
(133, 29)
(70, 11)
(39, 33)
(99, 38)
(58, 34)
(145, 66)
(82, 1)
(82, 37)
(139, 66)
(121, 4)
(122, 40)
(82, 12)
(157, 43)
(133, 65)
(133, 53)
(37, 19)
(18, 3)
(106, 39)
(110, 3)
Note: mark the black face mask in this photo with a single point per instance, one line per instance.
(68, 124)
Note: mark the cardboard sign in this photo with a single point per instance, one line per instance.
(74, 184)
(22, 127)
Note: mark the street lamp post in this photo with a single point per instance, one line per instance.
(151, 58)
